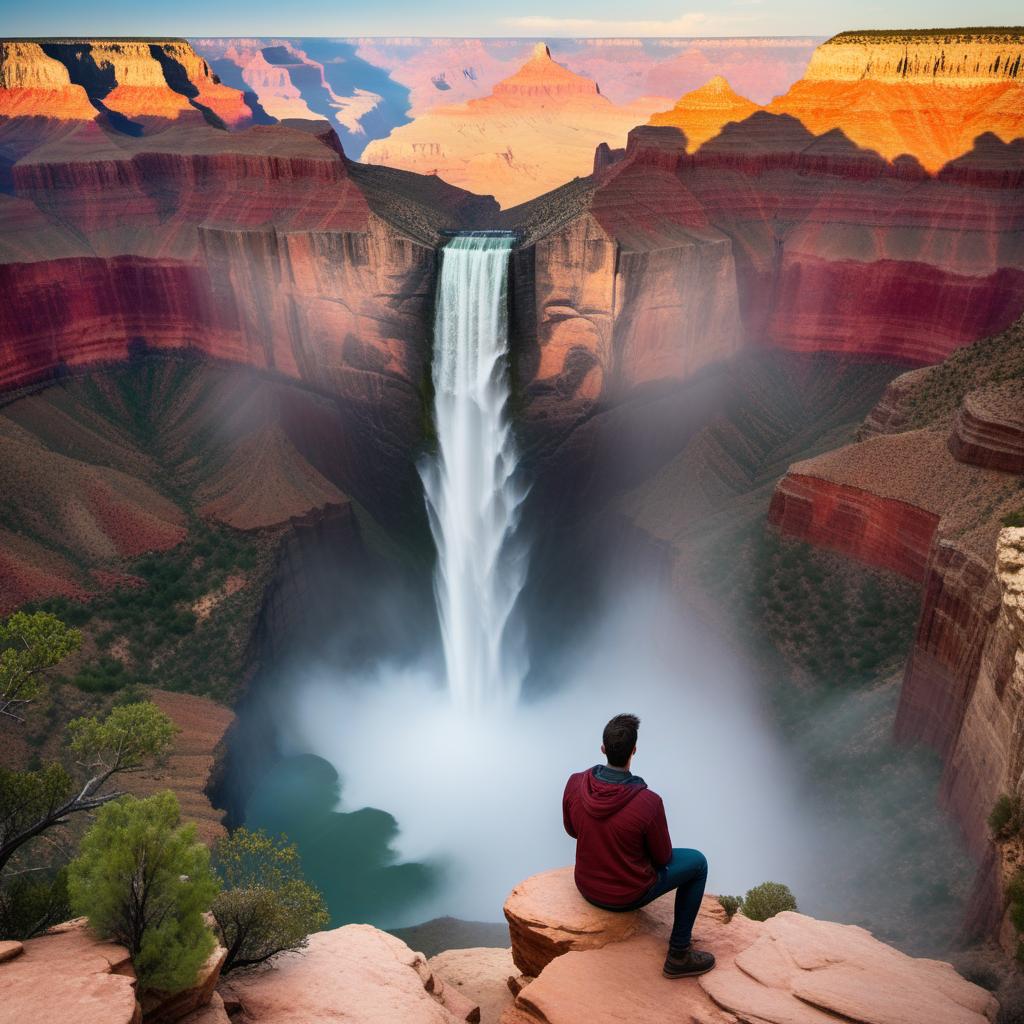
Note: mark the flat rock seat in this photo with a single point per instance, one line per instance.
(595, 967)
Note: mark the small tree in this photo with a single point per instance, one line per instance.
(32, 802)
(143, 879)
(265, 906)
(29, 645)
(768, 899)
(731, 905)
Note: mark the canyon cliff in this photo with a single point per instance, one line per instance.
(722, 226)
(924, 493)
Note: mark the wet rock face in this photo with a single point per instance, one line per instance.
(599, 968)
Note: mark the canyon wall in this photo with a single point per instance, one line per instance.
(255, 246)
(925, 493)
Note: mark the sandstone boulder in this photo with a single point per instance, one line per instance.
(482, 975)
(9, 950)
(357, 974)
(789, 970)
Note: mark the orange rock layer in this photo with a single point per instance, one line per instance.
(151, 84)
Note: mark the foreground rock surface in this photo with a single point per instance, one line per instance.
(789, 970)
(355, 974)
(482, 975)
(69, 975)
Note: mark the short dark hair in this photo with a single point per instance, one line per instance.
(620, 738)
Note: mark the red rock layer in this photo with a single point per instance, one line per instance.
(874, 530)
(818, 245)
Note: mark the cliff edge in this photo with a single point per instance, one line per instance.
(595, 967)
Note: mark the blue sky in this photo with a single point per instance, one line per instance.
(540, 18)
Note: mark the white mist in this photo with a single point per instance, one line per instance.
(479, 792)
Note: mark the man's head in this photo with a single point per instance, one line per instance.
(619, 740)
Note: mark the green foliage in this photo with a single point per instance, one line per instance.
(161, 639)
(144, 880)
(731, 905)
(1007, 817)
(129, 736)
(29, 797)
(265, 906)
(105, 675)
(1014, 519)
(842, 626)
(31, 902)
(30, 643)
(768, 899)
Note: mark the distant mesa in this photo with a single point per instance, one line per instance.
(538, 128)
(925, 95)
(136, 85)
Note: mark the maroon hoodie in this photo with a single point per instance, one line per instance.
(621, 835)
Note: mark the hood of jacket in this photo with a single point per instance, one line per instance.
(602, 799)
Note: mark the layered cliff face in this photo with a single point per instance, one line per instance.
(140, 85)
(924, 493)
(537, 129)
(927, 95)
(799, 242)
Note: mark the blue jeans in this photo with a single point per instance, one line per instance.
(687, 873)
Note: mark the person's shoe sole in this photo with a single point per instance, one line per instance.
(687, 974)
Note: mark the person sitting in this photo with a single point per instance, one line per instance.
(624, 856)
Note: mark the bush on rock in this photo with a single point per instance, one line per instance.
(144, 880)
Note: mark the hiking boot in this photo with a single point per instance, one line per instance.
(687, 963)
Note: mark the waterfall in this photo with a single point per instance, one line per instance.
(472, 490)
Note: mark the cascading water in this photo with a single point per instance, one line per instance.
(472, 489)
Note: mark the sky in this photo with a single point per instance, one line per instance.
(533, 18)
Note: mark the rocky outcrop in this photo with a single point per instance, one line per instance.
(70, 975)
(791, 969)
(536, 130)
(482, 975)
(989, 427)
(357, 974)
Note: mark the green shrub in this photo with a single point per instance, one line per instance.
(1007, 817)
(1014, 519)
(730, 904)
(105, 675)
(143, 879)
(265, 906)
(768, 899)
